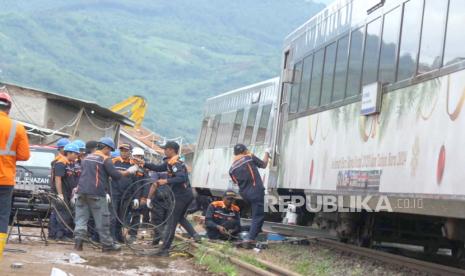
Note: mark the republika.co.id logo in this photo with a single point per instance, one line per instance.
(344, 204)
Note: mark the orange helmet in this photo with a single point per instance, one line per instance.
(5, 99)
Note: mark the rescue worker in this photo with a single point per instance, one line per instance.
(244, 172)
(92, 197)
(118, 188)
(54, 223)
(14, 146)
(222, 220)
(61, 143)
(82, 148)
(178, 181)
(65, 178)
(139, 193)
(91, 146)
(160, 202)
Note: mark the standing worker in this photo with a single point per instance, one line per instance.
(92, 196)
(65, 178)
(178, 181)
(118, 190)
(244, 172)
(14, 146)
(61, 143)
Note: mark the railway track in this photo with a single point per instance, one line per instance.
(265, 269)
(328, 240)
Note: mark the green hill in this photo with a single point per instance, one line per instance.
(175, 53)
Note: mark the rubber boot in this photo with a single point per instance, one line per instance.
(3, 238)
(110, 248)
(78, 245)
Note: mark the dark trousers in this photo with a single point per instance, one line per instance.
(116, 218)
(180, 208)
(257, 204)
(133, 220)
(61, 219)
(6, 194)
(159, 215)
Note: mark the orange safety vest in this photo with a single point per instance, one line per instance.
(14, 146)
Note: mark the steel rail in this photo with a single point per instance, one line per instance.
(270, 269)
(420, 265)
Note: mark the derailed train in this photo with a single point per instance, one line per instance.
(368, 105)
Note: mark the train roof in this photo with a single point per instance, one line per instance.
(266, 91)
(337, 18)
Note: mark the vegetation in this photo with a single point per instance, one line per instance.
(214, 263)
(175, 53)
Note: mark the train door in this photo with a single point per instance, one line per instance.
(283, 103)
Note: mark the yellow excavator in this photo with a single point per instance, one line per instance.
(133, 107)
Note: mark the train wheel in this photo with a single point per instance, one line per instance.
(458, 251)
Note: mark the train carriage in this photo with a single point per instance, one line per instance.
(245, 115)
(371, 103)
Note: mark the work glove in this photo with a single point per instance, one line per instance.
(73, 199)
(149, 203)
(61, 197)
(108, 197)
(133, 169)
(135, 204)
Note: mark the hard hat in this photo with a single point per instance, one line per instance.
(62, 142)
(5, 99)
(107, 141)
(138, 151)
(115, 153)
(80, 144)
(239, 149)
(71, 147)
(230, 194)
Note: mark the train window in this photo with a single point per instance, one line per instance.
(263, 125)
(237, 127)
(328, 74)
(355, 62)
(294, 97)
(432, 35)
(455, 39)
(341, 69)
(250, 125)
(410, 38)
(370, 61)
(203, 134)
(389, 46)
(317, 72)
(224, 130)
(214, 131)
(305, 84)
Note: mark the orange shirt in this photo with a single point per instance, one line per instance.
(17, 151)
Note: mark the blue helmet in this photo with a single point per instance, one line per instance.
(107, 141)
(72, 147)
(62, 142)
(81, 144)
(115, 153)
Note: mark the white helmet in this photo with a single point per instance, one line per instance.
(138, 151)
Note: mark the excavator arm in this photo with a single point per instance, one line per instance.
(133, 107)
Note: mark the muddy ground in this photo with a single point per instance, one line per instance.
(38, 259)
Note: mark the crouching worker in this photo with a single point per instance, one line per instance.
(92, 197)
(222, 219)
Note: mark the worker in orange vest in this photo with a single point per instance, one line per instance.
(14, 146)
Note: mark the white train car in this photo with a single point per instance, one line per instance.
(371, 103)
(245, 115)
